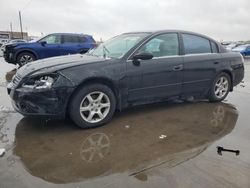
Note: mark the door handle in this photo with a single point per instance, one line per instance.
(178, 68)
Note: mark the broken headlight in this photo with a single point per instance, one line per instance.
(40, 82)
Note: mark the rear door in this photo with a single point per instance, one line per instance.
(70, 44)
(201, 62)
(159, 77)
(86, 43)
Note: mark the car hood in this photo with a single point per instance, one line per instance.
(23, 44)
(57, 63)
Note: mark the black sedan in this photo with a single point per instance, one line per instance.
(129, 69)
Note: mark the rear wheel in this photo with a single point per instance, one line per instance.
(24, 58)
(92, 106)
(220, 88)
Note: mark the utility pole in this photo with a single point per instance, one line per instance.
(11, 31)
(21, 26)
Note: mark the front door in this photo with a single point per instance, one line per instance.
(52, 46)
(159, 77)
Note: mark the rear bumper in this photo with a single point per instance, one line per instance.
(50, 103)
(238, 74)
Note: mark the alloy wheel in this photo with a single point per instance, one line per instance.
(25, 59)
(95, 107)
(221, 87)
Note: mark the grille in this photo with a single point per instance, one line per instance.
(16, 79)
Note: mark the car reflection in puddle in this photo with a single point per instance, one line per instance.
(134, 142)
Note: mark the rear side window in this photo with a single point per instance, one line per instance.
(214, 47)
(195, 44)
(70, 39)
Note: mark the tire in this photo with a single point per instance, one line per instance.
(220, 88)
(87, 114)
(24, 58)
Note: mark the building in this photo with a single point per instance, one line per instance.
(13, 35)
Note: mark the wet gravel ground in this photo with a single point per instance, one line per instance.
(171, 144)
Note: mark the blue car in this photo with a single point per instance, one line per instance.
(243, 49)
(55, 44)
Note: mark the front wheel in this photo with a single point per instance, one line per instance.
(220, 88)
(92, 106)
(24, 58)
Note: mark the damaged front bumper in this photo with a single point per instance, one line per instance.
(49, 103)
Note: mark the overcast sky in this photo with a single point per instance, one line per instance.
(220, 19)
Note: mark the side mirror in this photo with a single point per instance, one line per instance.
(143, 56)
(43, 43)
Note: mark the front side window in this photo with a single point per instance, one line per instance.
(195, 45)
(162, 45)
(118, 46)
(51, 39)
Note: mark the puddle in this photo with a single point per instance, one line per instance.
(59, 152)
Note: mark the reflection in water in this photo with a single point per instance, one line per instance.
(131, 144)
(95, 147)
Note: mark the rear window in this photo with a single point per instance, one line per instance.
(82, 39)
(195, 44)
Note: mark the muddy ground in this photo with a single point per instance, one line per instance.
(171, 145)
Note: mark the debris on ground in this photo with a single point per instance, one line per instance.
(2, 152)
(127, 126)
(10, 74)
(242, 85)
(163, 136)
(220, 149)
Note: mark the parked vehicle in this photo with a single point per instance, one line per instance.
(130, 69)
(243, 49)
(14, 41)
(51, 45)
(3, 41)
(231, 46)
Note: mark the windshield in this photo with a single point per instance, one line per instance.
(118, 46)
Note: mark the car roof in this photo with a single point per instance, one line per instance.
(174, 31)
(76, 34)
(163, 31)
